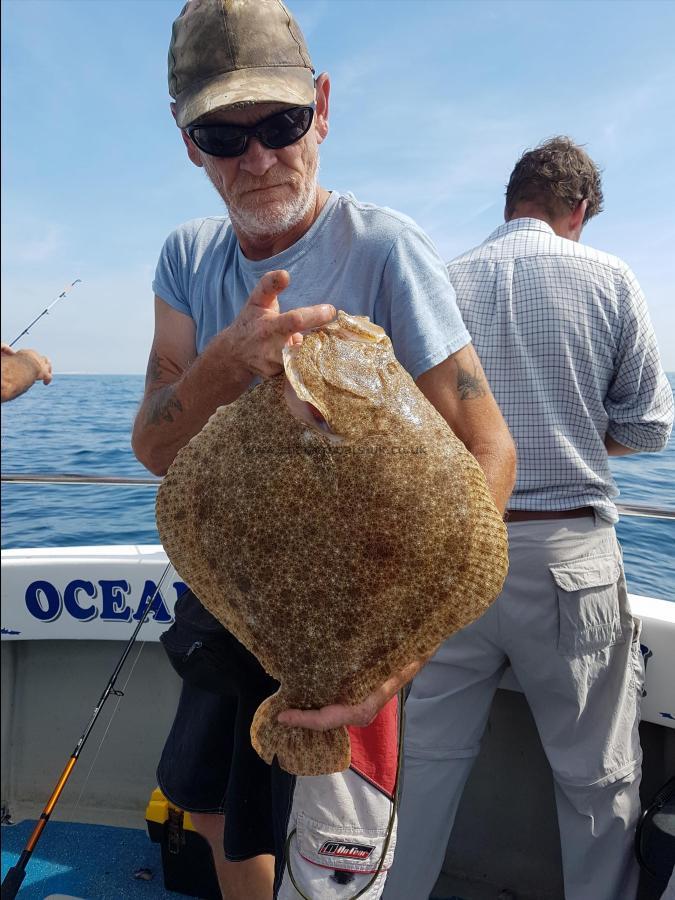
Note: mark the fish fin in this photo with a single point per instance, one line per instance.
(299, 751)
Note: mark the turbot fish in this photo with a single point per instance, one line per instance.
(334, 523)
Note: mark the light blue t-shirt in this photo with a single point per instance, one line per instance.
(364, 259)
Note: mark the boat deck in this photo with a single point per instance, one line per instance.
(95, 862)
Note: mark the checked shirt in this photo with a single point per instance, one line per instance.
(564, 336)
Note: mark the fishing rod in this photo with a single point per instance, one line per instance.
(14, 877)
(47, 308)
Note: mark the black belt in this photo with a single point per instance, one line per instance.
(532, 515)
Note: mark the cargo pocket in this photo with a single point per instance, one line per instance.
(191, 660)
(589, 605)
(196, 662)
(215, 661)
(349, 850)
(340, 862)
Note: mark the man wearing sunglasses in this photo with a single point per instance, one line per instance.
(231, 292)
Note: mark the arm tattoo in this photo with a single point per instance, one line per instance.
(162, 406)
(470, 386)
(154, 371)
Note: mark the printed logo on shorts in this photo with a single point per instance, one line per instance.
(346, 851)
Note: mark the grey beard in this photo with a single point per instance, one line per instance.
(267, 223)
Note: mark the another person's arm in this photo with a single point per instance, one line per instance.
(614, 448)
(21, 369)
(183, 389)
(639, 401)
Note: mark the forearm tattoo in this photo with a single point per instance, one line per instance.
(469, 385)
(154, 371)
(163, 406)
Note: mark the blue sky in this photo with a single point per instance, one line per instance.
(432, 103)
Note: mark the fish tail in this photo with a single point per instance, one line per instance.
(299, 751)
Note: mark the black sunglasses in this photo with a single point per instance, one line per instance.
(277, 131)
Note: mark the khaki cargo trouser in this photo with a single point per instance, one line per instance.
(563, 623)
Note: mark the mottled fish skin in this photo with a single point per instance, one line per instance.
(337, 552)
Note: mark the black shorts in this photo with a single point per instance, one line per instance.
(208, 764)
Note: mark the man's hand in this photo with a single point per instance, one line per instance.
(39, 363)
(42, 365)
(21, 369)
(360, 715)
(258, 335)
(183, 389)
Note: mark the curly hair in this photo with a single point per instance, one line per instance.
(557, 175)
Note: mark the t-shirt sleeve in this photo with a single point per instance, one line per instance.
(416, 305)
(639, 401)
(171, 281)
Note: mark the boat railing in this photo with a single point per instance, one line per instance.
(624, 509)
(63, 478)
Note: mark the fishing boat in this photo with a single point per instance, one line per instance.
(67, 616)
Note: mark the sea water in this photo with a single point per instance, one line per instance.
(81, 424)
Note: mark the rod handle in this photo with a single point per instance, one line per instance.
(12, 882)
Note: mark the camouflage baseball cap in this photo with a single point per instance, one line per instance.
(228, 51)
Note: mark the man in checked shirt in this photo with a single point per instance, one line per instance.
(565, 339)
